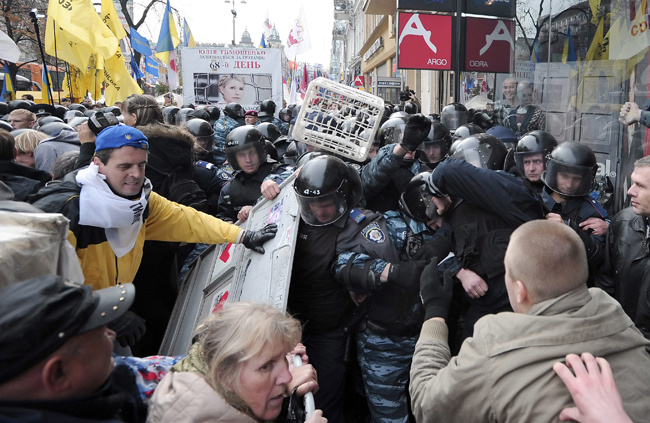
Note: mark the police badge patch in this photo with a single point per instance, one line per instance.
(373, 233)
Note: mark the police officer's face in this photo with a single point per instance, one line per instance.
(568, 183)
(533, 167)
(433, 152)
(248, 160)
(124, 170)
(639, 192)
(324, 211)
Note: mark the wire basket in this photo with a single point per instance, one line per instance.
(338, 119)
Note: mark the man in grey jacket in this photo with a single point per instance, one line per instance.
(505, 372)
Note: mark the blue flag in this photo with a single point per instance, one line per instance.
(139, 43)
(150, 66)
(262, 42)
(137, 74)
(8, 87)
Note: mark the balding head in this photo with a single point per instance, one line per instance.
(548, 258)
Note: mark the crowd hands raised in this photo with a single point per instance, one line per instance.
(421, 268)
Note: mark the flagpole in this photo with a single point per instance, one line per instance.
(40, 46)
(56, 61)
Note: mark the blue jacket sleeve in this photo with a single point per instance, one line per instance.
(379, 172)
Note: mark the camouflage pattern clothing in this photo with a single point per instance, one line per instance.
(222, 128)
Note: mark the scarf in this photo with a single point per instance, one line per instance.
(99, 206)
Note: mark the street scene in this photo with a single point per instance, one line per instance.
(344, 211)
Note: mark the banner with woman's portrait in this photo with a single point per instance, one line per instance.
(221, 75)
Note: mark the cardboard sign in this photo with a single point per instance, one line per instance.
(490, 45)
(424, 41)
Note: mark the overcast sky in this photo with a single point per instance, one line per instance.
(211, 22)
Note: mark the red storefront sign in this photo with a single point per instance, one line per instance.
(424, 41)
(489, 45)
(359, 81)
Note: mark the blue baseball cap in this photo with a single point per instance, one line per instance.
(119, 136)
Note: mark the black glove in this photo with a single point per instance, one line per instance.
(436, 296)
(407, 274)
(253, 240)
(128, 328)
(416, 131)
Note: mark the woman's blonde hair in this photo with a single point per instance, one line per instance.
(237, 333)
(145, 108)
(227, 78)
(27, 141)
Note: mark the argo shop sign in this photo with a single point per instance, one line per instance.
(424, 41)
(489, 45)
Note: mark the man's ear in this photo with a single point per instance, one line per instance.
(522, 293)
(96, 161)
(54, 375)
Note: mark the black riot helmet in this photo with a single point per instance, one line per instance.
(467, 130)
(48, 119)
(285, 115)
(415, 201)
(295, 111)
(54, 128)
(267, 108)
(234, 111)
(436, 145)
(202, 131)
(327, 189)
(411, 108)
(77, 106)
(4, 125)
(483, 120)
(60, 111)
(571, 169)
(294, 150)
(199, 114)
(18, 104)
(4, 108)
(269, 131)
(241, 139)
(453, 115)
(214, 113)
(169, 114)
(482, 150)
(281, 144)
(398, 114)
(392, 131)
(183, 116)
(532, 143)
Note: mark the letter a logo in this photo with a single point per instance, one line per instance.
(500, 33)
(414, 27)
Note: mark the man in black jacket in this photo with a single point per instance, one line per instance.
(628, 254)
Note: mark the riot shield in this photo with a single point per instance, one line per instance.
(230, 272)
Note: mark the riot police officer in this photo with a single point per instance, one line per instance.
(531, 155)
(231, 118)
(246, 153)
(569, 178)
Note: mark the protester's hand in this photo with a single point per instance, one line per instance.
(473, 284)
(303, 377)
(406, 274)
(416, 131)
(554, 217)
(435, 293)
(270, 189)
(85, 134)
(592, 387)
(242, 215)
(128, 328)
(630, 113)
(299, 350)
(254, 240)
(316, 417)
(357, 298)
(598, 226)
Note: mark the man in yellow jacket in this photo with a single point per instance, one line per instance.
(112, 211)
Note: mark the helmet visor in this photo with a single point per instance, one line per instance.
(322, 210)
(568, 180)
(419, 207)
(453, 119)
(479, 156)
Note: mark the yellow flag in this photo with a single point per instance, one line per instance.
(72, 83)
(77, 35)
(595, 7)
(599, 48)
(110, 17)
(119, 83)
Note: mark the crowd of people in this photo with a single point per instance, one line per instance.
(463, 272)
